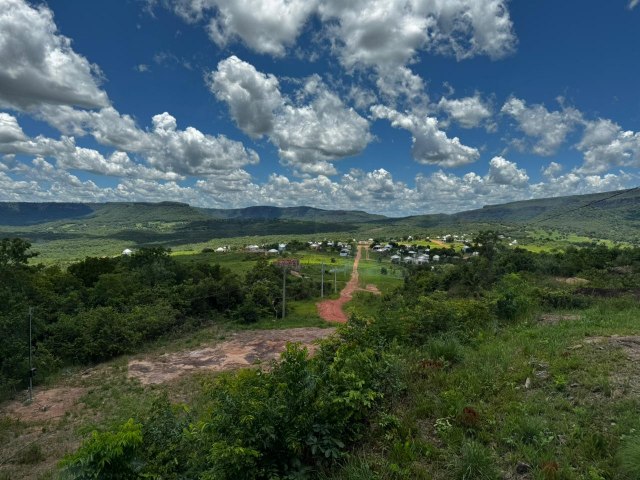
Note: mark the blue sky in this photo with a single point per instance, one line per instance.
(391, 106)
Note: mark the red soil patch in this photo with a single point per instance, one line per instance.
(331, 310)
(243, 350)
(47, 404)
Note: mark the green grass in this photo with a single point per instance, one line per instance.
(302, 314)
(370, 272)
(238, 262)
(577, 420)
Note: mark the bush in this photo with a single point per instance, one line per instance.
(107, 456)
(438, 314)
(445, 348)
(512, 298)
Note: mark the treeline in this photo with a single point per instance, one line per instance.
(304, 417)
(99, 308)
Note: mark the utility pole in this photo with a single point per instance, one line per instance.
(30, 360)
(335, 280)
(322, 282)
(284, 291)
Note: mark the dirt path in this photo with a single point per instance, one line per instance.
(331, 310)
(242, 350)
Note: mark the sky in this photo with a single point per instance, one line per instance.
(398, 107)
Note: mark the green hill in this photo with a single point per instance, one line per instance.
(308, 214)
(593, 215)
(68, 229)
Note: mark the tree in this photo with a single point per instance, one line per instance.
(487, 243)
(14, 252)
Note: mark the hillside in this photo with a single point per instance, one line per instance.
(617, 218)
(302, 213)
(66, 230)
(127, 213)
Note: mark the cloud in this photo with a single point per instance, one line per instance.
(142, 68)
(605, 145)
(191, 152)
(399, 83)
(39, 66)
(552, 170)
(633, 4)
(169, 152)
(430, 144)
(10, 131)
(504, 172)
(550, 129)
(468, 112)
(374, 191)
(320, 131)
(362, 32)
(389, 33)
(265, 26)
(310, 128)
(252, 97)
(383, 35)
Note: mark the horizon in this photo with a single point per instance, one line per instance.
(315, 208)
(396, 108)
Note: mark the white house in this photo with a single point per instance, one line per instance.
(395, 258)
(344, 252)
(436, 258)
(128, 252)
(422, 259)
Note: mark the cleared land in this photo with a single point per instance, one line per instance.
(331, 310)
(244, 349)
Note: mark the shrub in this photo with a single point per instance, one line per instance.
(107, 456)
(438, 314)
(445, 348)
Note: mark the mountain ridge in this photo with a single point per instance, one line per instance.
(607, 215)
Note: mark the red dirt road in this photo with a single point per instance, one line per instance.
(331, 310)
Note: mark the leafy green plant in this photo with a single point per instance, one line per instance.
(107, 456)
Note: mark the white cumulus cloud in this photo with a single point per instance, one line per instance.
(605, 145)
(504, 172)
(431, 145)
(549, 129)
(310, 129)
(468, 112)
(38, 65)
(170, 153)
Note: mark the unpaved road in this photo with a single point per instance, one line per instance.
(243, 349)
(331, 310)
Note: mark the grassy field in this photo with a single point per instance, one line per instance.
(371, 272)
(557, 396)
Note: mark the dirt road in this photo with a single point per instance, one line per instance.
(331, 310)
